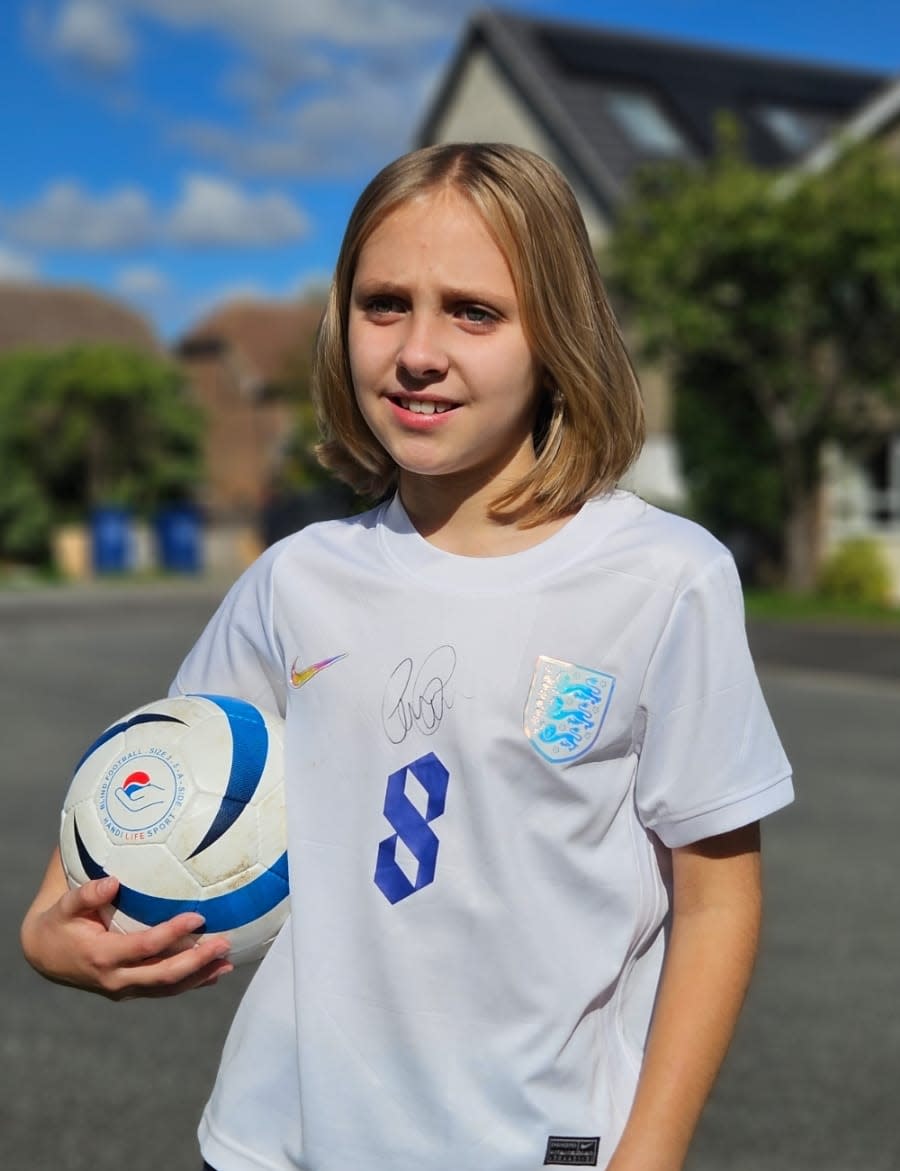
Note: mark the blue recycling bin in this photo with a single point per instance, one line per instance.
(112, 547)
(179, 538)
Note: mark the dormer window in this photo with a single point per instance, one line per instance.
(645, 123)
(796, 131)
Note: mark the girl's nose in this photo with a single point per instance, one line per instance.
(422, 353)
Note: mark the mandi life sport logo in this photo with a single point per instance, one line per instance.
(140, 795)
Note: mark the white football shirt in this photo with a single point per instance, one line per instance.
(488, 760)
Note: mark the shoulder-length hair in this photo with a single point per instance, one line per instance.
(590, 422)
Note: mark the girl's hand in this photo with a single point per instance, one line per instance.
(65, 940)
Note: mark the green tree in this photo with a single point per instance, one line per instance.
(300, 470)
(25, 510)
(773, 303)
(729, 461)
(86, 426)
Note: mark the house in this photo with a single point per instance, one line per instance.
(864, 498)
(51, 317)
(239, 361)
(878, 119)
(601, 102)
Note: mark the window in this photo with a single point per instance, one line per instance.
(796, 131)
(884, 479)
(640, 116)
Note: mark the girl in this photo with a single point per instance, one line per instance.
(526, 752)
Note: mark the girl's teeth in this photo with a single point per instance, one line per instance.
(421, 407)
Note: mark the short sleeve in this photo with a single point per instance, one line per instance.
(710, 758)
(238, 654)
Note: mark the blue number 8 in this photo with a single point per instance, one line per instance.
(412, 828)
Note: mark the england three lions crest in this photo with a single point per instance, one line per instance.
(566, 707)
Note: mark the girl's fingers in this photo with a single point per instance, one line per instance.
(69, 943)
(156, 961)
(90, 897)
(168, 977)
(152, 942)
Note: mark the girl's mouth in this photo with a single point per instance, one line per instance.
(421, 406)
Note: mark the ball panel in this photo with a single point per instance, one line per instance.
(251, 942)
(249, 751)
(192, 825)
(272, 816)
(76, 875)
(84, 777)
(83, 842)
(230, 856)
(206, 750)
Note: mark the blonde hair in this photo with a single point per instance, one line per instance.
(590, 422)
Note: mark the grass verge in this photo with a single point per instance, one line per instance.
(775, 604)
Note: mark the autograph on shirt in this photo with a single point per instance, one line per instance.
(418, 698)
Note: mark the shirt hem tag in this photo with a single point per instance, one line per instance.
(572, 1152)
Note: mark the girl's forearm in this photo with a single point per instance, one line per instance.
(712, 947)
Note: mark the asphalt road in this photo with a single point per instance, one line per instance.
(811, 1079)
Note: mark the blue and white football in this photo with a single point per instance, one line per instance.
(182, 801)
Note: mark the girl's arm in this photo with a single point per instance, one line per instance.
(712, 946)
(63, 938)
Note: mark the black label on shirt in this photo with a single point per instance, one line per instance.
(572, 1152)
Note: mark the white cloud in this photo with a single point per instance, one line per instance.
(276, 154)
(268, 24)
(275, 34)
(16, 266)
(325, 87)
(261, 88)
(238, 291)
(67, 217)
(92, 35)
(348, 128)
(315, 282)
(209, 211)
(142, 281)
(214, 211)
(331, 89)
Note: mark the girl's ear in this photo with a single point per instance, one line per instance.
(553, 398)
(549, 404)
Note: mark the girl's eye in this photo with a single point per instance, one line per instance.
(382, 306)
(477, 314)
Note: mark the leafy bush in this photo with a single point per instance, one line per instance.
(85, 426)
(857, 571)
(772, 306)
(730, 463)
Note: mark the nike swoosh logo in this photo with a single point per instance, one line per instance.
(304, 674)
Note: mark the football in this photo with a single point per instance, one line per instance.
(182, 801)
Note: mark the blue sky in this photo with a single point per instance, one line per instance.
(176, 153)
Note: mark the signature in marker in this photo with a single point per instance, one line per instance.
(418, 698)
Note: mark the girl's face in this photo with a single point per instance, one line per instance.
(441, 368)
